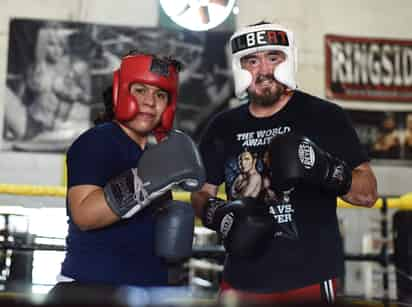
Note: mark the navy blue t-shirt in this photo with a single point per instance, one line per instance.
(306, 247)
(122, 253)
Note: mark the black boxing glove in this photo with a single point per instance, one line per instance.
(242, 224)
(295, 158)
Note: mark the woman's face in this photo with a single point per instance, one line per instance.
(54, 48)
(152, 102)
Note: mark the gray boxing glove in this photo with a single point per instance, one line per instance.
(174, 161)
(174, 231)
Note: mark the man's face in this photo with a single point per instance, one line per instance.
(389, 124)
(264, 89)
(246, 162)
(152, 102)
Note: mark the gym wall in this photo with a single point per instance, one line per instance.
(311, 21)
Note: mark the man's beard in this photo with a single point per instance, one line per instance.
(270, 96)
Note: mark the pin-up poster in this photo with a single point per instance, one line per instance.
(57, 72)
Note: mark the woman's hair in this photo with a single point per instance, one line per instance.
(51, 33)
(107, 114)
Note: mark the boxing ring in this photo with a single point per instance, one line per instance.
(209, 256)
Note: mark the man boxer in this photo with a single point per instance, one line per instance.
(388, 141)
(115, 176)
(287, 247)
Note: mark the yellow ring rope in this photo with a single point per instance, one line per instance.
(402, 202)
(33, 190)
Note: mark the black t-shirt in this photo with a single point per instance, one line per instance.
(308, 249)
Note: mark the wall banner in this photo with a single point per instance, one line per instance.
(368, 69)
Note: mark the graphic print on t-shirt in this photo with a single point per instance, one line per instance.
(248, 181)
(283, 214)
(260, 137)
(248, 175)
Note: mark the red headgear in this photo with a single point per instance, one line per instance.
(147, 69)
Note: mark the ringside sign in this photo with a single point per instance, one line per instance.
(368, 69)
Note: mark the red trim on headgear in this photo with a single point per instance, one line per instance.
(139, 68)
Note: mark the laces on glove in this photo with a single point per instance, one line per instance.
(140, 193)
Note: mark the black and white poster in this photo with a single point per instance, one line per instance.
(57, 72)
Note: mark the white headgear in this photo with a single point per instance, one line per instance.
(263, 37)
